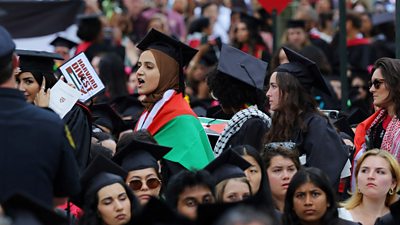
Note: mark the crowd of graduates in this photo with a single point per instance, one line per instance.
(139, 152)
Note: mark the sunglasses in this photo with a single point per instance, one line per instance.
(151, 183)
(377, 83)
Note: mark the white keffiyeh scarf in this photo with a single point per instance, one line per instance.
(236, 123)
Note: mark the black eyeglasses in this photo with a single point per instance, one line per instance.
(151, 183)
(377, 83)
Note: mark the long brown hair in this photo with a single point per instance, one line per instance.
(390, 69)
(294, 102)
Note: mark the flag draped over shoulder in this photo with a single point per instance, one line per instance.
(24, 19)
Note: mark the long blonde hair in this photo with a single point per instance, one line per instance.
(357, 197)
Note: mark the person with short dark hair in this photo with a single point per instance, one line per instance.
(186, 190)
(37, 148)
(238, 84)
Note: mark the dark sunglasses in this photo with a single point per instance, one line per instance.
(377, 83)
(151, 183)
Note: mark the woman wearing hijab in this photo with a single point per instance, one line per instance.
(168, 116)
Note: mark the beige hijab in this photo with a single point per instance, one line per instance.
(169, 77)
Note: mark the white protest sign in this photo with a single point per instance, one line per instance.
(79, 72)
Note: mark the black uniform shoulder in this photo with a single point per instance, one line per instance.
(36, 113)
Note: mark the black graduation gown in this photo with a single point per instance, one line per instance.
(392, 218)
(251, 133)
(322, 146)
(78, 121)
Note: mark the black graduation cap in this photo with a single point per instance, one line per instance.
(296, 24)
(104, 115)
(63, 42)
(136, 155)
(157, 212)
(25, 209)
(37, 61)
(7, 46)
(174, 48)
(168, 45)
(242, 66)
(305, 70)
(228, 165)
(100, 172)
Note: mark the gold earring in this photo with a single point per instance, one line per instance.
(391, 191)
